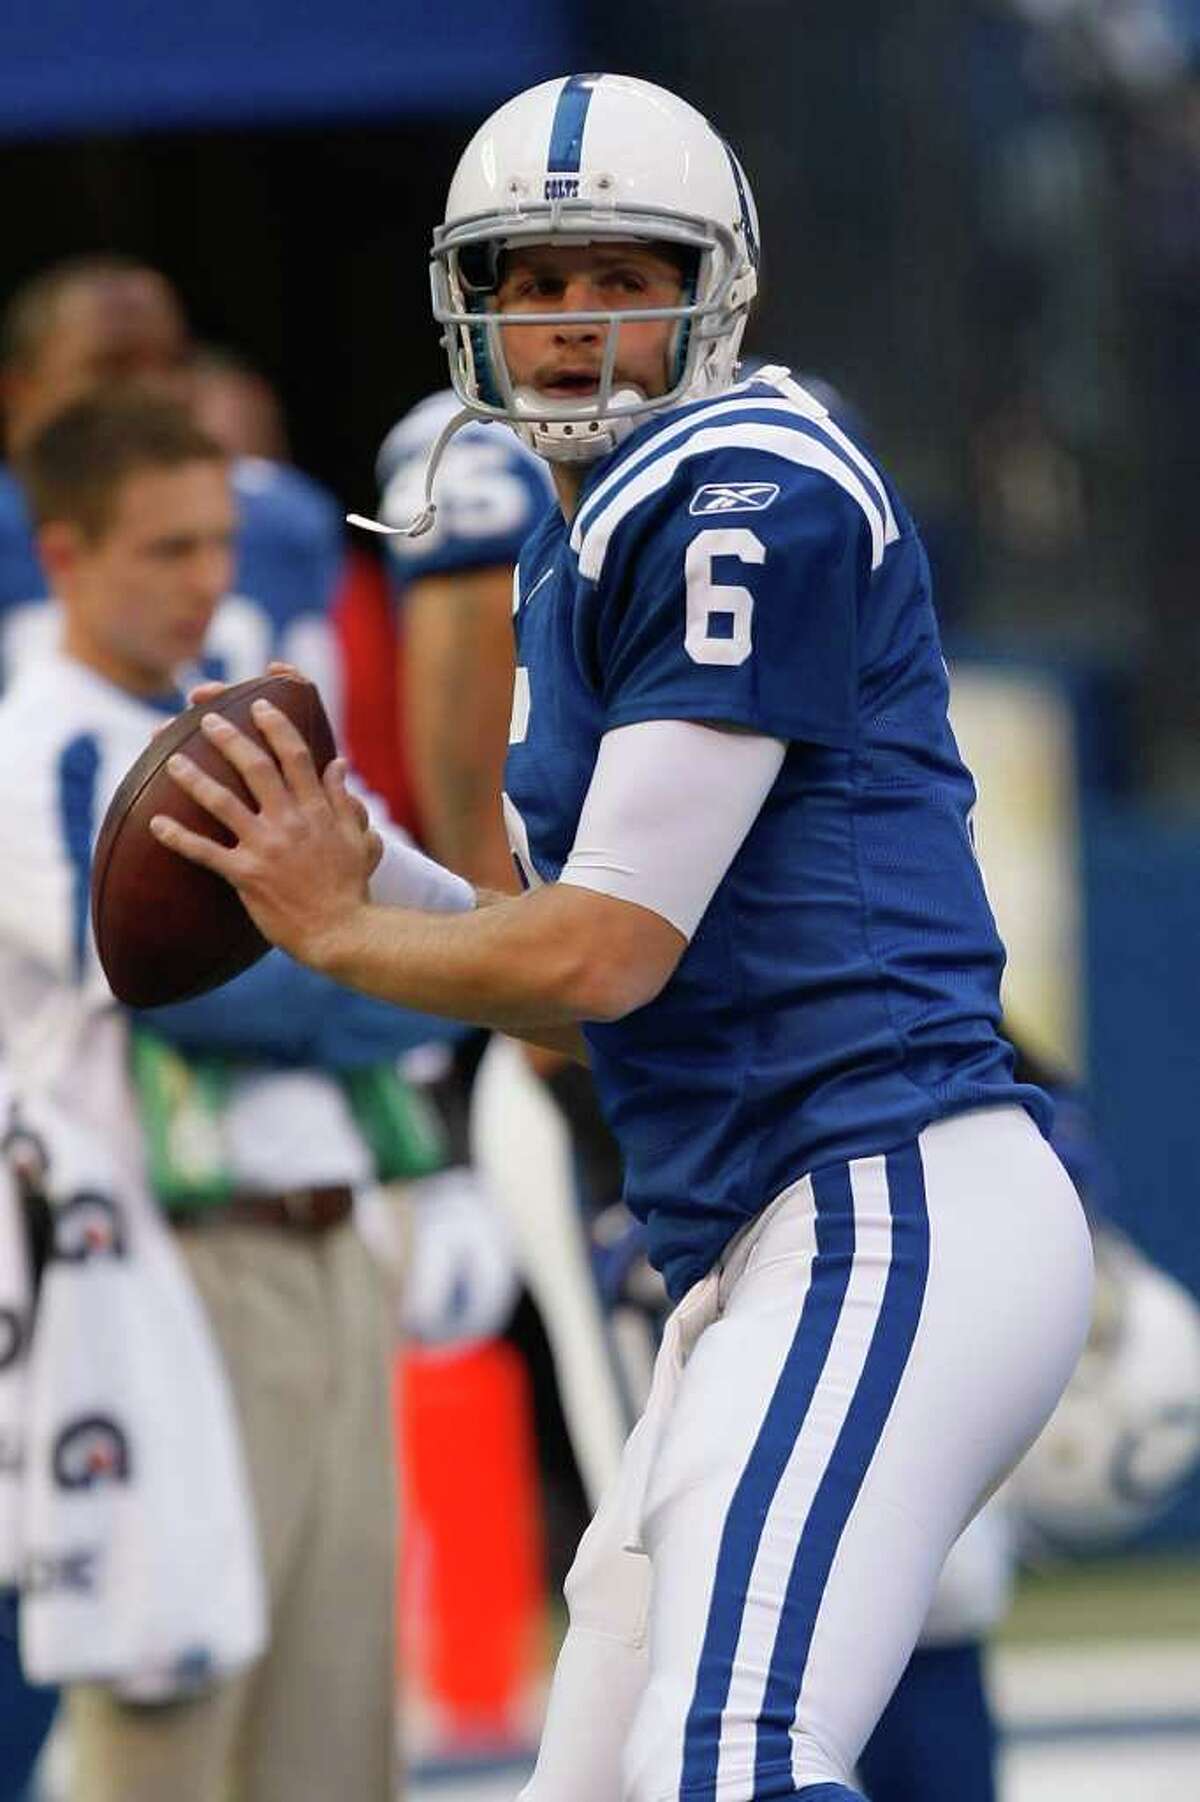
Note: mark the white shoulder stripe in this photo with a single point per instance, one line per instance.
(731, 402)
(738, 434)
(784, 382)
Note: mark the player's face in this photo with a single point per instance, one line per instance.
(563, 361)
(140, 597)
(108, 329)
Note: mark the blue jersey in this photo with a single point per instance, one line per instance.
(286, 575)
(740, 561)
(490, 493)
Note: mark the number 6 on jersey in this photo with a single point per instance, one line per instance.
(718, 613)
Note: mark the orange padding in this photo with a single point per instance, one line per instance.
(471, 1583)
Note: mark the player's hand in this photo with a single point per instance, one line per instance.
(206, 692)
(302, 856)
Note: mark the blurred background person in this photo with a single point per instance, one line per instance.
(255, 1113)
(106, 319)
(236, 405)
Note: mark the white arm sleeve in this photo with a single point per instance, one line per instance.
(405, 877)
(669, 804)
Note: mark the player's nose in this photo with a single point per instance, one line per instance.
(581, 296)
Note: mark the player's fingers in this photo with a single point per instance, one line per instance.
(256, 767)
(204, 692)
(277, 668)
(348, 808)
(355, 810)
(194, 846)
(212, 795)
(349, 811)
(291, 752)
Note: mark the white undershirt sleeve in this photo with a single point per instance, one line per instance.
(669, 804)
(405, 877)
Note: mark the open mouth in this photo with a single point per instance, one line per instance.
(567, 384)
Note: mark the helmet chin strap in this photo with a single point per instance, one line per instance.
(572, 439)
(421, 522)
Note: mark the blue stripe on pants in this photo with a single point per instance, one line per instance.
(764, 1470)
(887, 1356)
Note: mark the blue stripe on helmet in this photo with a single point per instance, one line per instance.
(570, 117)
(887, 1358)
(763, 1473)
(739, 182)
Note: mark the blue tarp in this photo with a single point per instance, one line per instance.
(72, 66)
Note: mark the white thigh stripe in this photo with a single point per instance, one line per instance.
(809, 1460)
(856, 1321)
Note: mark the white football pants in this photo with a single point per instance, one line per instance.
(830, 1406)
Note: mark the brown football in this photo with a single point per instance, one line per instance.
(165, 928)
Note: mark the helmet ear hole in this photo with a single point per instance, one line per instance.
(479, 268)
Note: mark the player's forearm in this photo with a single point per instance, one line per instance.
(528, 965)
(458, 667)
(563, 1041)
(465, 830)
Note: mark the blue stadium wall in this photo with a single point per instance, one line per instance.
(72, 66)
(1141, 880)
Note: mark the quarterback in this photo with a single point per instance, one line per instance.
(753, 903)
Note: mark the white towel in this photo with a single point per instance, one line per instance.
(141, 1560)
(15, 1305)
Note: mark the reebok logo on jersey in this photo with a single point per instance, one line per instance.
(733, 497)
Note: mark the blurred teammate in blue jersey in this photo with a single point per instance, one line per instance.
(453, 593)
(107, 320)
(454, 586)
(754, 907)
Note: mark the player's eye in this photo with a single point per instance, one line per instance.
(530, 287)
(626, 281)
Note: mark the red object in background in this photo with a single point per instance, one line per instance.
(471, 1595)
(365, 622)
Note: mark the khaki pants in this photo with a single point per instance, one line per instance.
(302, 1324)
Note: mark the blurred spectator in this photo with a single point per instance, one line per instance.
(292, 1081)
(237, 406)
(105, 319)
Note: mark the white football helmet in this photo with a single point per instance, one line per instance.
(1126, 1434)
(583, 158)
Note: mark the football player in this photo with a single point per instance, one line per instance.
(108, 321)
(734, 794)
